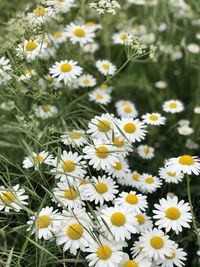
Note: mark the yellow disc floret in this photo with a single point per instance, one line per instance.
(118, 219)
(173, 213)
(75, 231)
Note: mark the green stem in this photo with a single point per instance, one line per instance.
(196, 230)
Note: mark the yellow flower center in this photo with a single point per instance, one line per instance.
(118, 166)
(49, 79)
(79, 32)
(129, 127)
(104, 252)
(26, 71)
(157, 242)
(86, 81)
(90, 23)
(130, 263)
(66, 67)
(71, 194)
(173, 105)
(38, 159)
(46, 108)
(75, 231)
(118, 142)
(44, 221)
(101, 188)
(105, 66)
(172, 174)
(132, 199)
(83, 182)
(153, 117)
(60, 1)
(103, 126)
(140, 218)
(57, 34)
(127, 109)
(30, 46)
(149, 180)
(39, 11)
(103, 86)
(146, 149)
(136, 176)
(102, 152)
(123, 37)
(186, 160)
(118, 219)
(75, 135)
(99, 96)
(172, 256)
(68, 166)
(8, 197)
(173, 213)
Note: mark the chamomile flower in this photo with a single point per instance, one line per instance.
(154, 119)
(170, 177)
(173, 106)
(120, 38)
(133, 129)
(12, 198)
(177, 258)
(121, 145)
(139, 261)
(134, 179)
(185, 163)
(145, 151)
(58, 37)
(93, 25)
(30, 49)
(5, 64)
(45, 111)
(91, 48)
(105, 67)
(87, 80)
(61, 6)
(104, 253)
(171, 214)
(126, 109)
(79, 34)
(149, 183)
(36, 159)
(101, 189)
(193, 48)
(100, 155)
(69, 166)
(99, 97)
(66, 70)
(27, 74)
(75, 138)
(155, 244)
(41, 15)
(144, 222)
(132, 201)
(105, 88)
(120, 169)
(45, 223)
(120, 222)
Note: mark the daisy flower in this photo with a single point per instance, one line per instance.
(193, 48)
(155, 244)
(171, 214)
(177, 258)
(101, 189)
(45, 223)
(121, 145)
(119, 170)
(65, 70)
(99, 97)
(69, 166)
(105, 67)
(119, 221)
(41, 15)
(75, 138)
(91, 47)
(132, 201)
(104, 253)
(58, 37)
(67, 195)
(153, 119)
(61, 6)
(27, 74)
(185, 130)
(45, 111)
(144, 222)
(120, 38)
(145, 151)
(139, 261)
(30, 49)
(5, 64)
(126, 109)
(170, 177)
(87, 80)
(161, 85)
(105, 88)
(134, 179)
(36, 159)
(12, 198)
(134, 130)
(173, 106)
(149, 183)
(93, 25)
(185, 163)
(79, 34)
(100, 155)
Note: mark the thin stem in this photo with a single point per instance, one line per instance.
(196, 231)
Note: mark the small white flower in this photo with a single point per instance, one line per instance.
(161, 85)
(61, 6)
(74, 138)
(193, 48)
(87, 80)
(31, 49)
(105, 67)
(45, 111)
(36, 159)
(145, 151)
(173, 106)
(149, 183)
(99, 97)
(185, 130)
(126, 109)
(170, 177)
(197, 110)
(154, 119)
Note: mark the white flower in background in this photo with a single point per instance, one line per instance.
(145, 151)
(193, 48)
(144, 222)
(41, 15)
(36, 159)
(45, 223)
(27, 74)
(58, 37)
(31, 49)
(185, 163)
(154, 119)
(93, 25)
(139, 30)
(74, 138)
(197, 110)
(149, 183)
(91, 47)
(173, 106)
(105, 88)
(185, 130)
(170, 177)
(121, 145)
(172, 215)
(191, 144)
(12, 198)
(8, 105)
(61, 6)
(105, 6)
(126, 109)
(120, 169)
(134, 179)
(139, 261)
(5, 68)
(162, 27)
(45, 111)
(99, 97)
(121, 38)
(87, 80)
(105, 67)
(161, 85)
(65, 70)
(184, 123)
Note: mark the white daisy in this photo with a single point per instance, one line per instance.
(185, 130)
(105, 67)
(87, 80)
(5, 64)
(139, 261)
(185, 163)
(99, 97)
(36, 159)
(119, 170)
(12, 198)
(93, 25)
(171, 214)
(91, 47)
(132, 201)
(30, 49)
(79, 34)
(134, 179)
(101, 189)
(173, 106)
(126, 109)
(27, 74)
(149, 183)
(66, 70)
(45, 223)
(145, 151)
(121, 145)
(120, 38)
(154, 119)
(144, 222)
(61, 6)
(161, 85)
(45, 111)
(193, 48)
(170, 177)
(105, 88)
(75, 138)
(41, 15)
(58, 37)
